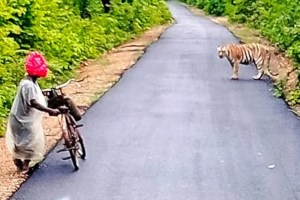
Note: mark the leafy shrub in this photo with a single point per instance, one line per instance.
(294, 51)
(278, 89)
(293, 97)
(215, 7)
(243, 9)
(201, 3)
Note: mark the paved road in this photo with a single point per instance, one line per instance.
(176, 128)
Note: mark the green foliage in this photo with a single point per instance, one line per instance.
(242, 10)
(59, 29)
(213, 7)
(278, 89)
(83, 8)
(200, 3)
(293, 97)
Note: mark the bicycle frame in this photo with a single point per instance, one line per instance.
(67, 121)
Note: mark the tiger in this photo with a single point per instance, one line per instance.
(246, 54)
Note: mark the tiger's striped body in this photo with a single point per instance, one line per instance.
(246, 54)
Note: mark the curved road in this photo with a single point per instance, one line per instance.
(176, 128)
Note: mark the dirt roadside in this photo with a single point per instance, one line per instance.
(98, 76)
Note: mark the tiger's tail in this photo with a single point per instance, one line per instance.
(271, 52)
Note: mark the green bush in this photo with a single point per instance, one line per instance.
(293, 97)
(215, 7)
(201, 3)
(242, 10)
(58, 29)
(278, 89)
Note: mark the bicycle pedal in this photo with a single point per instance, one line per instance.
(64, 149)
(71, 148)
(66, 158)
(78, 125)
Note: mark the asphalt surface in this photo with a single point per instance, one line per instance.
(176, 128)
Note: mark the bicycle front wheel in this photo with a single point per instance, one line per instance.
(73, 154)
(71, 142)
(81, 148)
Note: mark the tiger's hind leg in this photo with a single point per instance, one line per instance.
(259, 74)
(260, 70)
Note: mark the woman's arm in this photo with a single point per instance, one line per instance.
(52, 112)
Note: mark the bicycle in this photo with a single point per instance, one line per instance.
(73, 140)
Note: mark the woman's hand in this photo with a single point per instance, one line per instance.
(53, 112)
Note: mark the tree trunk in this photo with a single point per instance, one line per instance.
(106, 5)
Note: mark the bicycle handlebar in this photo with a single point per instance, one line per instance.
(59, 86)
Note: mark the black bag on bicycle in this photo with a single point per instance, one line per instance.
(56, 101)
(74, 111)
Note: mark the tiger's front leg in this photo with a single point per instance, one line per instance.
(235, 69)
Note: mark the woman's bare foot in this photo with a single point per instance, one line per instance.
(25, 166)
(19, 164)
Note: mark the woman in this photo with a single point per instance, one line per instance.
(25, 138)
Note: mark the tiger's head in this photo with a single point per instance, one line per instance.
(222, 51)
